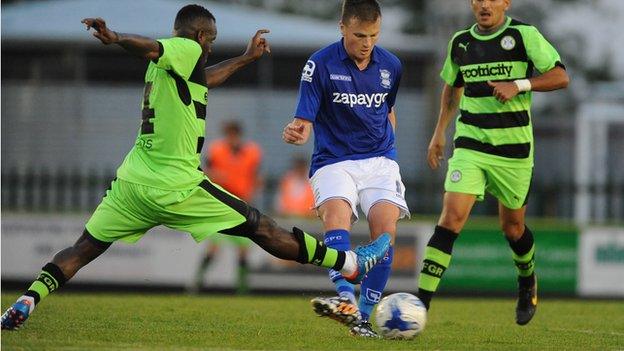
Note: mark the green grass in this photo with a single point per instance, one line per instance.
(180, 322)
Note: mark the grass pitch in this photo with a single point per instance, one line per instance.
(74, 321)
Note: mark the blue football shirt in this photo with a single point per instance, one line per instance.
(349, 108)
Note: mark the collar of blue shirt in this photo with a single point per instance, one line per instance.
(345, 56)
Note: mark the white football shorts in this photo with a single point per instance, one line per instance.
(361, 182)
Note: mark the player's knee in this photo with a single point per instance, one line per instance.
(87, 247)
(513, 229)
(254, 217)
(336, 220)
(266, 226)
(453, 220)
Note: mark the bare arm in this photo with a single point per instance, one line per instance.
(392, 118)
(448, 108)
(219, 73)
(146, 48)
(556, 78)
(297, 132)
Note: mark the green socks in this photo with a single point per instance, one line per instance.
(436, 261)
(50, 279)
(523, 253)
(315, 252)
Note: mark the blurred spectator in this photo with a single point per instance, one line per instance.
(232, 163)
(294, 196)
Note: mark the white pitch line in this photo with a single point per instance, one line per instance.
(587, 331)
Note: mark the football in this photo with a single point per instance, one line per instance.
(400, 316)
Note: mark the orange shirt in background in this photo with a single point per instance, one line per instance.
(236, 172)
(295, 196)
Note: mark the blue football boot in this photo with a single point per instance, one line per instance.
(368, 256)
(16, 315)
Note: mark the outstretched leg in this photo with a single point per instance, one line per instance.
(53, 275)
(222, 208)
(304, 248)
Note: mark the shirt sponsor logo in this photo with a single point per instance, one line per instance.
(385, 78)
(340, 77)
(367, 100)
(308, 71)
(508, 42)
(487, 70)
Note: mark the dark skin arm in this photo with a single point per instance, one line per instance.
(146, 48)
(219, 73)
(556, 78)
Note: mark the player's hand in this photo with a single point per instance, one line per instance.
(435, 152)
(294, 133)
(102, 32)
(504, 91)
(258, 45)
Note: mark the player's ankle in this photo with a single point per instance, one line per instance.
(349, 269)
(30, 301)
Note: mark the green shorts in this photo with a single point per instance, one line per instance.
(129, 210)
(469, 176)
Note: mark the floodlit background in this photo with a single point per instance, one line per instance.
(70, 112)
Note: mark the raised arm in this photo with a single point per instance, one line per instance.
(146, 48)
(219, 73)
(448, 108)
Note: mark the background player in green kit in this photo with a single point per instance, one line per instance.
(488, 75)
(160, 182)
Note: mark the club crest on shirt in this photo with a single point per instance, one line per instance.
(508, 42)
(456, 176)
(385, 78)
(308, 71)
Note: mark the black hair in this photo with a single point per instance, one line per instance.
(189, 15)
(364, 10)
(233, 127)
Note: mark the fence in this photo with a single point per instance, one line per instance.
(75, 190)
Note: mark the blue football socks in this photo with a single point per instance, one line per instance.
(339, 239)
(374, 284)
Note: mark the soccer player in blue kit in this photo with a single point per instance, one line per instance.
(347, 94)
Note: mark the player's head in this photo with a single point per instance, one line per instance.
(490, 13)
(233, 132)
(197, 23)
(360, 25)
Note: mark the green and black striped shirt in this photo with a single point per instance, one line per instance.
(486, 129)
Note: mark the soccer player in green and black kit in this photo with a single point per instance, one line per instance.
(160, 181)
(489, 75)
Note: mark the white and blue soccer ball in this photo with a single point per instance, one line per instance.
(401, 316)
